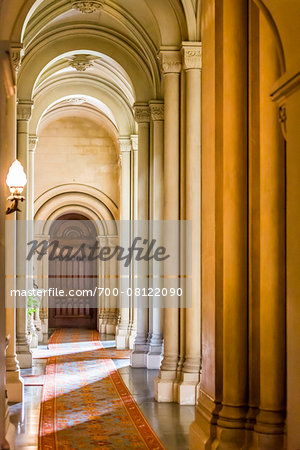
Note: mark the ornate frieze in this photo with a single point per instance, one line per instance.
(157, 111)
(142, 113)
(192, 55)
(81, 62)
(24, 109)
(170, 61)
(88, 7)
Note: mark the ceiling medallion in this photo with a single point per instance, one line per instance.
(88, 7)
(82, 62)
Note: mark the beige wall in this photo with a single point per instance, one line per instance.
(76, 149)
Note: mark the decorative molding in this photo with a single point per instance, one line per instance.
(88, 7)
(82, 62)
(24, 109)
(170, 61)
(125, 144)
(157, 111)
(134, 142)
(33, 140)
(16, 53)
(141, 113)
(76, 101)
(192, 55)
(286, 86)
(282, 119)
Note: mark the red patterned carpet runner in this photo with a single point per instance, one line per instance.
(85, 403)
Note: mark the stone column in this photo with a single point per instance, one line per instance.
(171, 68)
(133, 215)
(154, 356)
(101, 284)
(104, 300)
(122, 338)
(141, 347)
(41, 271)
(14, 383)
(234, 400)
(270, 420)
(187, 389)
(24, 108)
(8, 57)
(30, 199)
(113, 241)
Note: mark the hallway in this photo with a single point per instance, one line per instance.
(149, 224)
(84, 399)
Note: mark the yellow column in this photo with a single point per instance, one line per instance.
(141, 346)
(234, 401)
(133, 216)
(187, 390)
(14, 383)
(122, 337)
(270, 420)
(24, 108)
(171, 69)
(157, 117)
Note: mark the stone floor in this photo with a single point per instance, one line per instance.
(169, 420)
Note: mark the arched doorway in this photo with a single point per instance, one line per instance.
(72, 276)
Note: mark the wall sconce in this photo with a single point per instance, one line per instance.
(15, 180)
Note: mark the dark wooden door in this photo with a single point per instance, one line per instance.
(76, 279)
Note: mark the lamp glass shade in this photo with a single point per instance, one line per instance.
(16, 178)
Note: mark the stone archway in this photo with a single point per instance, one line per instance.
(75, 276)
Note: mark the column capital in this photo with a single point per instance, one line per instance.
(170, 60)
(141, 112)
(112, 241)
(33, 140)
(24, 109)
(102, 241)
(42, 237)
(134, 142)
(125, 143)
(157, 110)
(16, 53)
(192, 55)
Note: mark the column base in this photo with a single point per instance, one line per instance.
(45, 331)
(34, 340)
(45, 339)
(110, 328)
(10, 435)
(188, 388)
(268, 441)
(122, 339)
(14, 387)
(230, 438)
(138, 357)
(132, 337)
(203, 430)
(102, 328)
(164, 386)
(269, 430)
(154, 359)
(25, 359)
